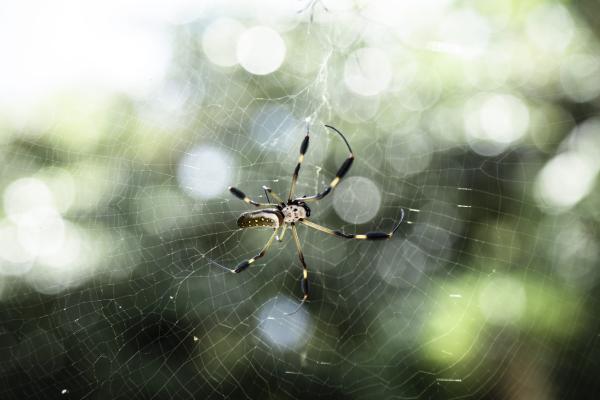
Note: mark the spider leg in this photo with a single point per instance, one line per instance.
(242, 196)
(303, 149)
(365, 236)
(338, 176)
(275, 195)
(245, 264)
(283, 230)
(266, 193)
(304, 283)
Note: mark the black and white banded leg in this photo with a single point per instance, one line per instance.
(245, 264)
(304, 282)
(363, 236)
(242, 196)
(342, 171)
(303, 148)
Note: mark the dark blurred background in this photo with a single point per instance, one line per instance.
(122, 123)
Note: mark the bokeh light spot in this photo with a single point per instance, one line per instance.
(464, 33)
(220, 39)
(61, 184)
(577, 251)
(70, 251)
(26, 196)
(499, 118)
(550, 27)
(580, 77)
(502, 300)
(565, 180)
(43, 233)
(61, 264)
(504, 118)
(204, 172)
(368, 71)
(287, 331)
(357, 200)
(409, 153)
(100, 46)
(260, 50)
(281, 15)
(422, 91)
(275, 127)
(492, 122)
(14, 258)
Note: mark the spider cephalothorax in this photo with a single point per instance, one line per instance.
(295, 212)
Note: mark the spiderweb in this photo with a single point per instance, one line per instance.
(117, 233)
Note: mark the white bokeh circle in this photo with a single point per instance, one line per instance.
(409, 154)
(357, 200)
(219, 41)
(565, 180)
(283, 330)
(260, 50)
(23, 197)
(204, 172)
(368, 71)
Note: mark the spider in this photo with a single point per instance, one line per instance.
(295, 211)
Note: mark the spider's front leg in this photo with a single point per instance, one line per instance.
(342, 171)
(303, 149)
(242, 196)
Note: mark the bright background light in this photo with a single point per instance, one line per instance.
(367, 71)
(260, 50)
(204, 172)
(286, 332)
(565, 180)
(357, 200)
(220, 39)
(65, 44)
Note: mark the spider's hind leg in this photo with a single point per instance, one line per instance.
(284, 230)
(282, 233)
(304, 281)
(304, 267)
(245, 264)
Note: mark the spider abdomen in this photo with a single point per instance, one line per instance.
(260, 218)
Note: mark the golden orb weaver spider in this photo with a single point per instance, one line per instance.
(296, 211)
